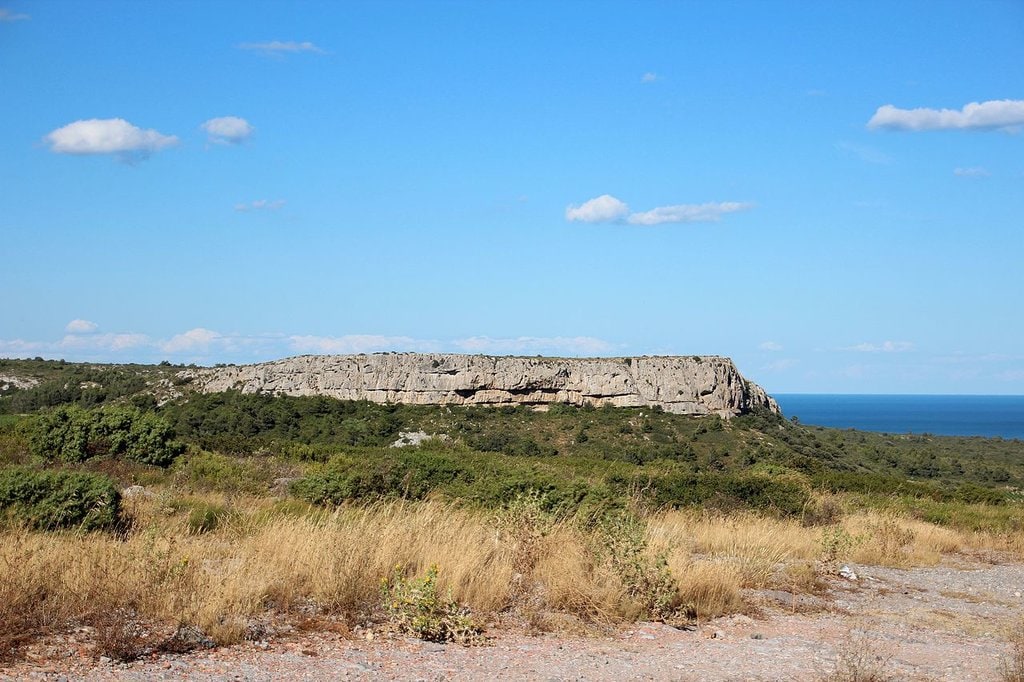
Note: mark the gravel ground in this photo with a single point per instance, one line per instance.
(944, 623)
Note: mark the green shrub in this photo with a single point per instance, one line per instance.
(72, 434)
(728, 490)
(409, 473)
(415, 607)
(206, 517)
(622, 544)
(50, 500)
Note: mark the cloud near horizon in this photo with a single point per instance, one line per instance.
(884, 347)
(1002, 114)
(81, 327)
(82, 343)
(7, 16)
(261, 205)
(572, 345)
(974, 172)
(107, 136)
(282, 46)
(227, 130)
(608, 209)
(357, 343)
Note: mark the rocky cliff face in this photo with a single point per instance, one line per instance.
(683, 385)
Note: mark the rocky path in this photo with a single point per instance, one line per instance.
(944, 623)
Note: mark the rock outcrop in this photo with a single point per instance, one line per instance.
(679, 384)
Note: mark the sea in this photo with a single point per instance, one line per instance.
(993, 416)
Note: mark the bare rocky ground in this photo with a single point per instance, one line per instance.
(948, 622)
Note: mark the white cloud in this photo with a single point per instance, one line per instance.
(103, 342)
(602, 209)
(282, 46)
(227, 130)
(7, 15)
(356, 343)
(608, 209)
(687, 213)
(261, 205)
(206, 345)
(108, 136)
(884, 347)
(197, 339)
(531, 345)
(81, 327)
(974, 172)
(770, 346)
(1003, 114)
(649, 77)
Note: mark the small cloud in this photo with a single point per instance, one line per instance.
(81, 327)
(261, 205)
(649, 77)
(608, 209)
(108, 136)
(974, 172)
(7, 16)
(687, 213)
(884, 347)
(530, 345)
(1002, 114)
(227, 130)
(197, 339)
(864, 153)
(356, 343)
(103, 342)
(770, 346)
(602, 209)
(815, 92)
(282, 46)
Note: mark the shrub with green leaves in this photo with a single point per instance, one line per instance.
(72, 434)
(622, 543)
(49, 500)
(416, 607)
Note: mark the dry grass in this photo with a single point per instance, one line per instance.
(889, 540)
(260, 555)
(860, 660)
(1011, 667)
(753, 546)
(218, 580)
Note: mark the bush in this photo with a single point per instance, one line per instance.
(72, 434)
(50, 500)
(415, 607)
(729, 490)
(409, 474)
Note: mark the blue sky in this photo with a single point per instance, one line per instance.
(830, 193)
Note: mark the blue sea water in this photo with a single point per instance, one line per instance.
(942, 415)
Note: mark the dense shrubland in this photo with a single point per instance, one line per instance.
(573, 515)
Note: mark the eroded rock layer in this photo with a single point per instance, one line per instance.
(679, 384)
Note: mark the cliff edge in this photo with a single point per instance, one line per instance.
(678, 384)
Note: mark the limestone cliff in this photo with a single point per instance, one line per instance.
(679, 384)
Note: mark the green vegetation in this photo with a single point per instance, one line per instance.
(415, 607)
(51, 500)
(257, 504)
(105, 418)
(72, 434)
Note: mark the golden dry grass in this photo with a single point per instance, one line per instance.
(263, 555)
